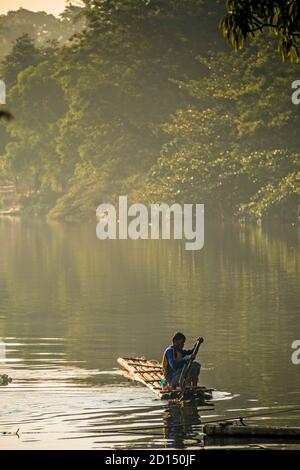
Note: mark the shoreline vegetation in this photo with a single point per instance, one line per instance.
(148, 102)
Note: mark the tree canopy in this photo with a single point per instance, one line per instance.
(40, 26)
(148, 101)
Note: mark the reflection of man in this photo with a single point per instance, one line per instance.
(181, 426)
(175, 358)
(2, 351)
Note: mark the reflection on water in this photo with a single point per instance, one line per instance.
(70, 305)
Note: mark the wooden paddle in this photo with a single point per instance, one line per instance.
(187, 367)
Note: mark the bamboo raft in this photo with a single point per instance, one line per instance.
(150, 374)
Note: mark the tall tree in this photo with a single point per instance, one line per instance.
(23, 54)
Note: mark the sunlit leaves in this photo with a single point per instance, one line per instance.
(237, 150)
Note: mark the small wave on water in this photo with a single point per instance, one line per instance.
(69, 407)
(58, 403)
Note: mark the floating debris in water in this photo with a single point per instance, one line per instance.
(7, 433)
(5, 380)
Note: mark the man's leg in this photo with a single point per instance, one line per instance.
(176, 378)
(194, 373)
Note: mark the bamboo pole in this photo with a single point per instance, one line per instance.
(250, 431)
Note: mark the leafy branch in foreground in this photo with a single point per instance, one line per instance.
(245, 18)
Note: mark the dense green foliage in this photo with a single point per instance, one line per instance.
(237, 148)
(148, 101)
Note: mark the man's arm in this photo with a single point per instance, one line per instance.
(187, 352)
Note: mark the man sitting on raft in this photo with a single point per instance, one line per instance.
(175, 358)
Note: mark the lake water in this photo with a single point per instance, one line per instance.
(71, 304)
